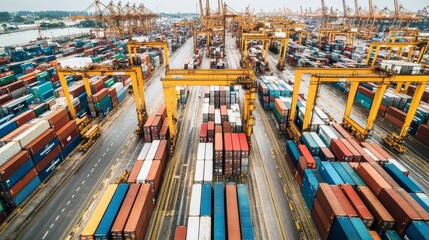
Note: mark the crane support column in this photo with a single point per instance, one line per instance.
(169, 108)
(376, 102)
(312, 91)
(65, 88)
(136, 98)
(89, 95)
(398, 87)
(351, 98)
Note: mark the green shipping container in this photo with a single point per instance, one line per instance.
(40, 109)
(119, 57)
(42, 76)
(7, 79)
(109, 83)
(96, 59)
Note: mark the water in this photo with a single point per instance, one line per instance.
(26, 36)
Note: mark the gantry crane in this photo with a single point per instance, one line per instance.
(205, 77)
(356, 76)
(135, 74)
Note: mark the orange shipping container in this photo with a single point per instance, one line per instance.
(124, 212)
(135, 171)
(232, 215)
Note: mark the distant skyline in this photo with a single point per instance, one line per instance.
(190, 6)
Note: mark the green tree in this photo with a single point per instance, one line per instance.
(5, 16)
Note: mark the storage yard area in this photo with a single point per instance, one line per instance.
(219, 125)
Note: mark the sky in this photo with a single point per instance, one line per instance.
(172, 6)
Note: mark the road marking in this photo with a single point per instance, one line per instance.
(95, 165)
(57, 217)
(92, 170)
(68, 202)
(111, 144)
(83, 182)
(88, 175)
(51, 225)
(104, 154)
(99, 160)
(63, 210)
(45, 234)
(107, 149)
(78, 189)
(73, 196)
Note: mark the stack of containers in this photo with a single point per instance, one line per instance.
(182, 94)
(204, 163)
(156, 126)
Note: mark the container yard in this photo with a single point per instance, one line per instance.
(304, 122)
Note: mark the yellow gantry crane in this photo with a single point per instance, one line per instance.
(207, 77)
(135, 74)
(356, 76)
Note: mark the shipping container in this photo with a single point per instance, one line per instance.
(343, 228)
(195, 203)
(93, 222)
(124, 212)
(206, 200)
(205, 227)
(343, 174)
(154, 178)
(32, 133)
(152, 150)
(208, 171)
(343, 200)
(372, 178)
(341, 152)
(417, 230)
(219, 212)
(144, 151)
(201, 152)
(358, 205)
(132, 177)
(424, 215)
(330, 174)
(144, 171)
(193, 228)
(246, 225)
(140, 215)
(232, 214)
(199, 171)
(180, 233)
(401, 178)
(103, 230)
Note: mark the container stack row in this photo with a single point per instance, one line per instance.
(31, 152)
(123, 212)
(156, 126)
(218, 212)
(356, 190)
(204, 163)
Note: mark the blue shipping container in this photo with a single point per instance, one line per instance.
(18, 174)
(401, 178)
(27, 190)
(343, 229)
(293, 151)
(329, 174)
(343, 174)
(245, 216)
(7, 128)
(352, 173)
(50, 167)
(361, 229)
(219, 212)
(103, 229)
(312, 146)
(206, 200)
(44, 151)
(422, 199)
(69, 148)
(417, 230)
(390, 235)
(308, 198)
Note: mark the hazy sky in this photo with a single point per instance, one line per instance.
(190, 5)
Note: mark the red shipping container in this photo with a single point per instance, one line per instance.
(14, 164)
(57, 119)
(132, 178)
(329, 202)
(401, 210)
(424, 215)
(357, 157)
(41, 141)
(162, 112)
(244, 146)
(358, 205)
(323, 224)
(164, 133)
(67, 133)
(380, 150)
(372, 178)
(155, 127)
(154, 178)
(203, 133)
(341, 152)
(162, 153)
(4, 98)
(15, 133)
(386, 176)
(365, 156)
(227, 127)
(228, 154)
(180, 233)
(124, 212)
(100, 95)
(311, 163)
(342, 131)
(345, 203)
(382, 218)
(24, 117)
(146, 129)
(370, 147)
(236, 161)
(22, 182)
(329, 156)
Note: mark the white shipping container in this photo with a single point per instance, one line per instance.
(399, 166)
(193, 228)
(199, 171)
(201, 151)
(8, 151)
(144, 171)
(32, 133)
(317, 139)
(326, 134)
(194, 208)
(209, 152)
(370, 154)
(205, 232)
(244, 166)
(152, 150)
(144, 151)
(218, 119)
(208, 171)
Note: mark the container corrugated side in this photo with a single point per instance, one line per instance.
(245, 214)
(32, 133)
(193, 228)
(144, 171)
(8, 151)
(144, 151)
(208, 171)
(205, 232)
(199, 171)
(152, 150)
(219, 211)
(195, 203)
